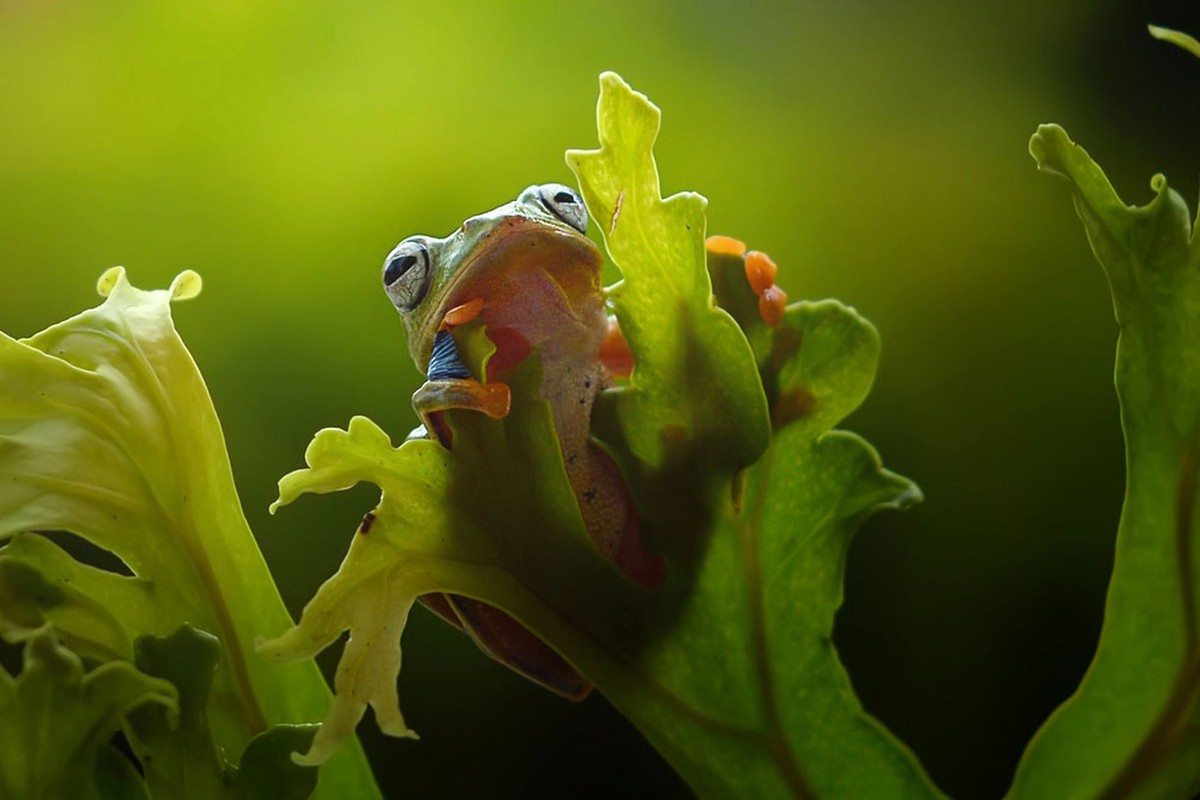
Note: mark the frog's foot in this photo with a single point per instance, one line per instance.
(435, 397)
(615, 354)
(760, 274)
(510, 643)
(450, 385)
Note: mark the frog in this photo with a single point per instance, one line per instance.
(529, 272)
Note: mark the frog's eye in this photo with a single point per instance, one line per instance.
(565, 204)
(406, 275)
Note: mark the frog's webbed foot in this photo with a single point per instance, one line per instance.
(450, 385)
(436, 397)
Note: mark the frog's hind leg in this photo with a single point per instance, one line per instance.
(449, 385)
(512, 644)
(612, 521)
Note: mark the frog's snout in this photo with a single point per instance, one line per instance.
(474, 223)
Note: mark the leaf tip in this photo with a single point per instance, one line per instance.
(623, 113)
(398, 730)
(1178, 38)
(109, 280)
(910, 496)
(186, 285)
(1048, 146)
(612, 81)
(1044, 139)
(309, 759)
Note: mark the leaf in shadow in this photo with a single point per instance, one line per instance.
(56, 721)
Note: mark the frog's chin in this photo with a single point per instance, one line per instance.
(540, 288)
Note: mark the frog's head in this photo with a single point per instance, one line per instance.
(528, 260)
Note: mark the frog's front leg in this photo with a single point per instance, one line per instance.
(449, 384)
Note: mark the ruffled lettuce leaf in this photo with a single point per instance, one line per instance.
(728, 667)
(56, 721)
(492, 519)
(177, 752)
(107, 432)
(1132, 727)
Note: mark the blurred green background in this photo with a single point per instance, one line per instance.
(876, 150)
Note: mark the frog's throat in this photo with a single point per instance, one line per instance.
(498, 251)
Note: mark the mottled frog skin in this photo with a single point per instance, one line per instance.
(529, 272)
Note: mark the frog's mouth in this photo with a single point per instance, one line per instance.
(540, 287)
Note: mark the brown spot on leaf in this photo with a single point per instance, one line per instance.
(737, 488)
(612, 225)
(784, 345)
(675, 440)
(793, 404)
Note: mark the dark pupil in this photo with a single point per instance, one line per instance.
(397, 267)
(564, 197)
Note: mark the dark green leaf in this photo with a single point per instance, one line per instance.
(178, 755)
(56, 720)
(267, 770)
(1132, 728)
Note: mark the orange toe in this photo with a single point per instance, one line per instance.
(760, 271)
(725, 245)
(771, 305)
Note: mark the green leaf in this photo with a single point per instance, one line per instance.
(493, 519)
(1132, 728)
(116, 776)
(55, 723)
(728, 667)
(178, 756)
(1177, 38)
(775, 711)
(679, 338)
(107, 431)
(267, 770)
